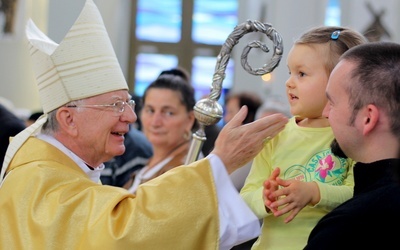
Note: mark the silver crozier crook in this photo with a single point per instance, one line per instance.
(208, 111)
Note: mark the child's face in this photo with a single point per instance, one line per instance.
(308, 78)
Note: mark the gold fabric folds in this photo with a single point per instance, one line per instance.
(47, 202)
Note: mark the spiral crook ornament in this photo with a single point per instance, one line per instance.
(208, 111)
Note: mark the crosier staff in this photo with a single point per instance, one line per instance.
(208, 111)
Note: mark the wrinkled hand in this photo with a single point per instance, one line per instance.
(237, 144)
(293, 196)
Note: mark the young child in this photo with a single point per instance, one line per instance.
(315, 180)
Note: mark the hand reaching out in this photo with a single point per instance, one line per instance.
(239, 143)
(291, 197)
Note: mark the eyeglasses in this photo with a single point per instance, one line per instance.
(118, 107)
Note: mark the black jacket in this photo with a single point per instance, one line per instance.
(10, 125)
(369, 220)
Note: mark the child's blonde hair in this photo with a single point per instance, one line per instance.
(338, 40)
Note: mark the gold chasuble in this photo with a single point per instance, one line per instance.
(48, 202)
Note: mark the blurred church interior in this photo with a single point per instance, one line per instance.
(153, 35)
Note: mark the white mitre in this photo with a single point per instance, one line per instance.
(83, 65)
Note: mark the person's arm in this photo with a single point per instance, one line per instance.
(252, 191)
(237, 222)
(236, 145)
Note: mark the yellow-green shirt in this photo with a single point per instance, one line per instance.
(303, 154)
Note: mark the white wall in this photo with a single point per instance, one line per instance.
(116, 17)
(356, 15)
(55, 18)
(289, 17)
(16, 73)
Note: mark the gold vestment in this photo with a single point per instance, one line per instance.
(48, 202)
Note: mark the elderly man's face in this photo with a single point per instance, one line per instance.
(101, 129)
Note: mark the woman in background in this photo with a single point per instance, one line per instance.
(168, 122)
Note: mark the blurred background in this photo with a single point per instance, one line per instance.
(153, 35)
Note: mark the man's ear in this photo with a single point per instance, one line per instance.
(370, 119)
(66, 121)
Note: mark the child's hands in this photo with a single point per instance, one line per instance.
(291, 197)
(270, 186)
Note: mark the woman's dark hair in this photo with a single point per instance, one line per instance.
(177, 72)
(176, 79)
